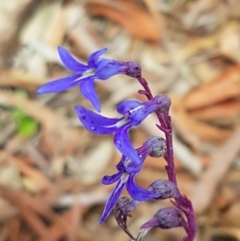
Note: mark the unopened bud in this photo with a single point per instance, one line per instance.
(155, 146)
(166, 218)
(163, 102)
(133, 69)
(165, 188)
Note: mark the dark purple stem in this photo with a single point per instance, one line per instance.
(181, 202)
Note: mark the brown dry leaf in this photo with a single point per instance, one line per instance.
(39, 179)
(194, 131)
(227, 112)
(19, 201)
(231, 217)
(222, 158)
(10, 77)
(225, 198)
(205, 13)
(220, 89)
(13, 226)
(74, 218)
(127, 14)
(37, 207)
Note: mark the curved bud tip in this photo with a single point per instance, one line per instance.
(165, 188)
(156, 146)
(133, 69)
(163, 102)
(166, 218)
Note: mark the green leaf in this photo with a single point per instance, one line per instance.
(26, 126)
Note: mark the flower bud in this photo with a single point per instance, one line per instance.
(165, 188)
(163, 102)
(133, 69)
(154, 146)
(166, 218)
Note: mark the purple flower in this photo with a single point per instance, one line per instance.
(85, 74)
(122, 177)
(132, 114)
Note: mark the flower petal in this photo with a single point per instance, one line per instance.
(124, 145)
(139, 114)
(120, 166)
(131, 167)
(70, 62)
(107, 180)
(94, 56)
(109, 71)
(127, 105)
(94, 122)
(101, 63)
(139, 193)
(60, 85)
(111, 202)
(89, 92)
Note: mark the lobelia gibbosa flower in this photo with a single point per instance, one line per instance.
(132, 114)
(85, 74)
(154, 146)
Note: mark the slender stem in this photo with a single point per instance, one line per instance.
(182, 202)
(169, 157)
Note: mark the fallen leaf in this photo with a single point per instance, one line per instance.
(220, 89)
(127, 14)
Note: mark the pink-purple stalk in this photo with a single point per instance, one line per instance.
(181, 202)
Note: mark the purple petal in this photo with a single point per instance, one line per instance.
(109, 71)
(139, 193)
(101, 63)
(89, 92)
(127, 105)
(124, 145)
(94, 56)
(120, 166)
(70, 62)
(60, 85)
(138, 115)
(111, 202)
(94, 122)
(132, 167)
(107, 180)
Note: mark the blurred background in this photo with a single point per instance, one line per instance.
(51, 168)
